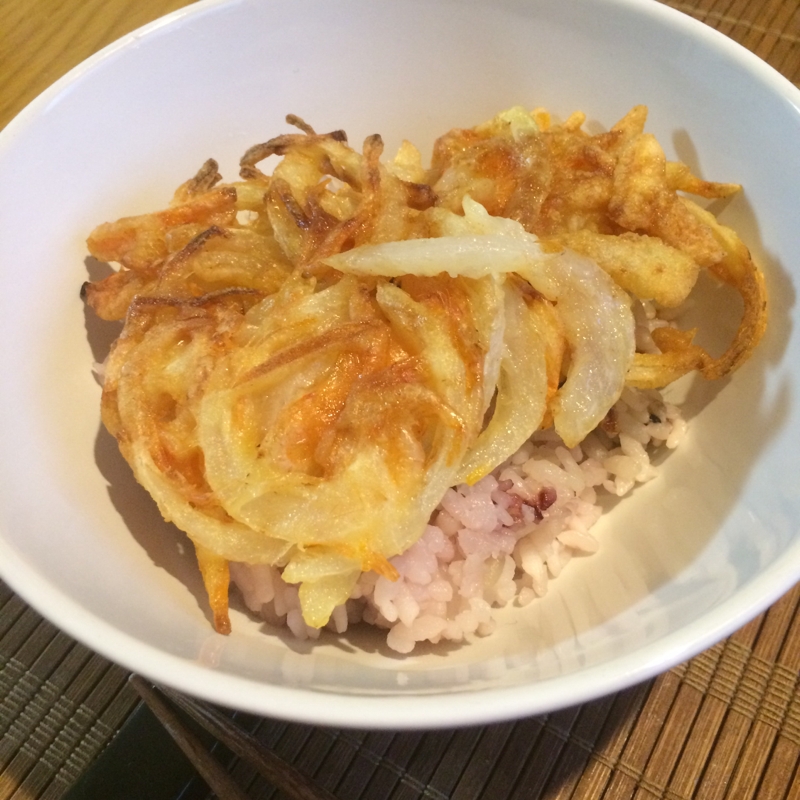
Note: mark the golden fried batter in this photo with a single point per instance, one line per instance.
(311, 357)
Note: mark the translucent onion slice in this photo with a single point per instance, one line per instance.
(488, 305)
(599, 328)
(596, 313)
(469, 256)
(521, 391)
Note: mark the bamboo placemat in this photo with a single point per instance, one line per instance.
(724, 725)
(60, 704)
(770, 28)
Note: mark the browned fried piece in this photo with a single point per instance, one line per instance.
(138, 243)
(642, 201)
(678, 357)
(614, 198)
(308, 214)
(643, 265)
(219, 258)
(141, 244)
(558, 179)
(206, 178)
(324, 197)
(194, 247)
(216, 578)
(547, 180)
(281, 146)
(110, 297)
(359, 228)
(738, 270)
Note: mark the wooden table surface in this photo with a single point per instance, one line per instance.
(726, 724)
(41, 40)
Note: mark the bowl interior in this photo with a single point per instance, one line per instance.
(683, 561)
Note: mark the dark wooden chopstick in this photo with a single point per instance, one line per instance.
(209, 768)
(278, 772)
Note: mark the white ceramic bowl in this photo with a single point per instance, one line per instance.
(684, 561)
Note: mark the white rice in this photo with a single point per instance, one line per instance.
(496, 543)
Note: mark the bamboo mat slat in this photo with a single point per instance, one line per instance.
(725, 725)
(60, 705)
(770, 28)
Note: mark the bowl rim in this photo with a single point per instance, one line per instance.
(399, 711)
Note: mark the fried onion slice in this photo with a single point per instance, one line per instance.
(216, 577)
(324, 196)
(337, 423)
(643, 201)
(678, 356)
(198, 245)
(737, 269)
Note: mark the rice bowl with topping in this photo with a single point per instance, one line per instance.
(682, 558)
(310, 358)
